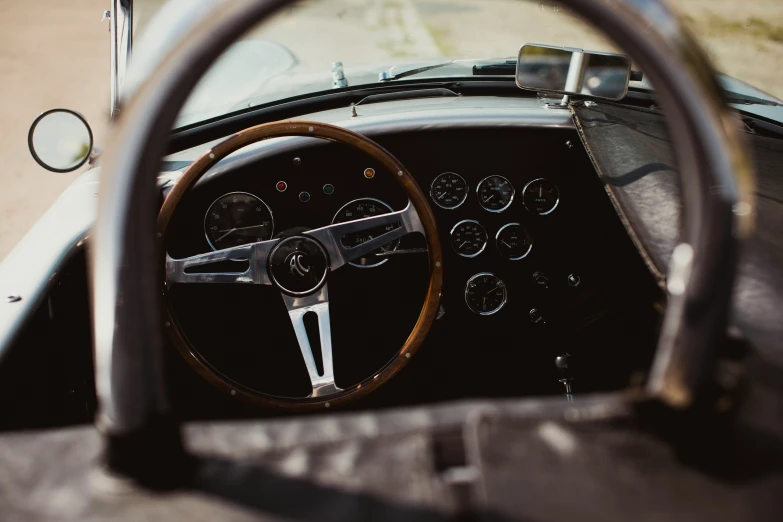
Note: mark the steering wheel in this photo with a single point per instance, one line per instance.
(299, 266)
(717, 189)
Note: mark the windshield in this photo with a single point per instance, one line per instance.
(319, 45)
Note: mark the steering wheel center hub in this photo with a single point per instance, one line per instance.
(298, 265)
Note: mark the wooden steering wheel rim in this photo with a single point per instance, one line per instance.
(420, 203)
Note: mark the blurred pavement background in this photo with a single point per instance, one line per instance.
(56, 54)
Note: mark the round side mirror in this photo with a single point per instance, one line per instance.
(60, 140)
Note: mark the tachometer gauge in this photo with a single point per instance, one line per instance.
(485, 293)
(449, 190)
(495, 193)
(236, 219)
(468, 238)
(540, 196)
(513, 241)
(359, 209)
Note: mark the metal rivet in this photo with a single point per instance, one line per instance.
(327, 404)
(407, 356)
(233, 392)
(399, 173)
(569, 144)
(211, 156)
(167, 324)
(311, 130)
(298, 161)
(437, 263)
(13, 298)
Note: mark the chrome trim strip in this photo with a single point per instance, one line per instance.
(121, 44)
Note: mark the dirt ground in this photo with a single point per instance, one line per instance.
(56, 54)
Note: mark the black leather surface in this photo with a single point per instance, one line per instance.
(520, 460)
(632, 152)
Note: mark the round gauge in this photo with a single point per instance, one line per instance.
(540, 196)
(495, 193)
(513, 241)
(449, 190)
(468, 238)
(485, 293)
(237, 218)
(364, 208)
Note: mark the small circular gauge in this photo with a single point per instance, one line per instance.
(495, 193)
(449, 190)
(485, 293)
(540, 196)
(364, 208)
(237, 218)
(468, 238)
(513, 241)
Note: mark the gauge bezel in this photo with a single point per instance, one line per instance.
(548, 211)
(206, 235)
(397, 243)
(483, 247)
(500, 306)
(510, 199)
(464, 199)
(529, 237)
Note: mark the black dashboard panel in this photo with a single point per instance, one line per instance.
(581, 279)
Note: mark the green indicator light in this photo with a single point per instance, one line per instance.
(328, 188)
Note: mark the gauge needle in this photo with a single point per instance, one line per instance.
(496, 287)
(227, 232)
(490, 197)
(541, 191)
(441, 195)
(509, 246)
(463, 244)
(240, 228)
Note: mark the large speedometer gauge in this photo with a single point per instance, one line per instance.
(237, 218)
(364, 208)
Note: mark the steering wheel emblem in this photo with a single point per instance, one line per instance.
(296, 266)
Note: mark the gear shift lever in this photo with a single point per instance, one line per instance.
(563, 363)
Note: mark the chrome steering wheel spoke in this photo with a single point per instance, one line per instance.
(323, 383)
(331, 237)
(256, 254)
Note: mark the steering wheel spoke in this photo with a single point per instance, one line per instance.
(332, 236)
(298, 307)
(255, 254)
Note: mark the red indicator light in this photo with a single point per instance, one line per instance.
(282, 186)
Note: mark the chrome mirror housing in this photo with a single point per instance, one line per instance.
(60, 140)
(564, 70)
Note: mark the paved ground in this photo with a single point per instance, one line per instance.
(55, 53)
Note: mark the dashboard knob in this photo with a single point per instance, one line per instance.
(562, 361)
(541, 279)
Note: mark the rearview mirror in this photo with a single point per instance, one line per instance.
(564, 70)
(60, 140)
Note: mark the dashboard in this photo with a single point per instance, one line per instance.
(537, 268)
